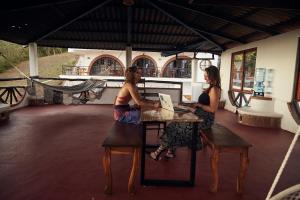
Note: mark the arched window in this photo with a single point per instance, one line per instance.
(147, 64)
(106, 66)
(180, 68)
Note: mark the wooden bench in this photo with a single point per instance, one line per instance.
(221, 139)
(4, 108)
(122, 139)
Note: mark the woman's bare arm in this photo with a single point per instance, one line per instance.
(137, 99)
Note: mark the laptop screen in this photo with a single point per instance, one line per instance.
(166, 101)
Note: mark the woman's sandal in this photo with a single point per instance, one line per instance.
(170, 154)
(155, 155)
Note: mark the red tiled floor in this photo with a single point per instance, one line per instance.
(54, 152)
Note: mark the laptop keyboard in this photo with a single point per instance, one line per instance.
(176, 109)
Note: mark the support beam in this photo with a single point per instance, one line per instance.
(193, 45)
(128, 56)
(223, 18)
(184, 24)
(69, 21)
(194, 69)
(129, 25)
(33, 60)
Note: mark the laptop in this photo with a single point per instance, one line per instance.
(166, 103)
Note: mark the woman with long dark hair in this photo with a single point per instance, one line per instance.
(123, 112)
(180, 134)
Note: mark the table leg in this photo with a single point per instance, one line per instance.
(135, 162)
(244, 162)
(214, 169)
(143, 151)
(193, 154)
(107, 171)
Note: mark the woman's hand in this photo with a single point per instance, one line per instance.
(196, 105)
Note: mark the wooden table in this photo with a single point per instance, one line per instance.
(162, 115)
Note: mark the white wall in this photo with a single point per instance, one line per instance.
(279, 53)
(88, 55)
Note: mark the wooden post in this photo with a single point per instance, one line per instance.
(194, 70)
(128, 56)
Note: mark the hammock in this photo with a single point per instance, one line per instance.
(82, 87)
(89, 90)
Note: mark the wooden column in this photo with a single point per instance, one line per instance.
(128, 56)
(194, 70)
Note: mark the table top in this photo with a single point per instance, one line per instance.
(164, 115)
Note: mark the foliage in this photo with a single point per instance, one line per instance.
(17, 53)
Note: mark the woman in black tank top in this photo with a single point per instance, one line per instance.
(180, 134)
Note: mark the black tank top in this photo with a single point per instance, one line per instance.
(204, 97)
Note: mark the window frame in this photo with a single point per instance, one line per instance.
(239, 96)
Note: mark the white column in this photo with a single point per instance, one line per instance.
(194, 70)
(128, 56)
(33, 60)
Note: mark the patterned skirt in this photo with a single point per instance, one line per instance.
(180, 134)
(127, 114)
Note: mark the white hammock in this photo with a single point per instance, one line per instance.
(82, 87)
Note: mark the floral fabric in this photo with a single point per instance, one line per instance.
(180, 134)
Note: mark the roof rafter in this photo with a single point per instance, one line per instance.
(68, 21)
(192, 45)
(104, 41)
(224, 18)
(185, 25)
(33, 6)
(68, 32)
(247, 14)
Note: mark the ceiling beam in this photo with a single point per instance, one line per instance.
(192, 45)
(24, 5)
(184, 24)
(214, 33)
(272, 4)
(195, 27)
(51, 40)
(67, 22)
(223, 18)
(247, 14)
(71, 31)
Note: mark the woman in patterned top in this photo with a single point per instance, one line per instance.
(123, 112)
(180, 134)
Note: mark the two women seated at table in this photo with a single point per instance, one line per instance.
(180, 134)
(123, 112)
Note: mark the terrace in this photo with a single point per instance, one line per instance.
(54, 151)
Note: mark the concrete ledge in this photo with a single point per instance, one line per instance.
(250, 117)
(4, 108)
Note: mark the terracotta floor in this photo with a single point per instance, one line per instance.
(54, 152)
